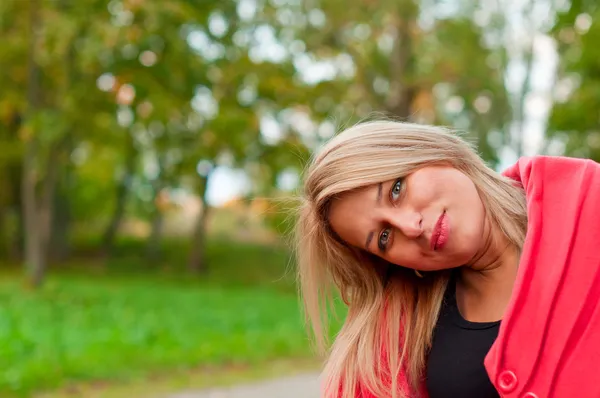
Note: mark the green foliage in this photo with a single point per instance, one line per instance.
(125, 321)
(136, 93)
(402, 59)
(574, 119)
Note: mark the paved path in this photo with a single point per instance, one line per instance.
(299, 386)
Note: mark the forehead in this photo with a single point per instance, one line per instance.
(350, 214)
(352, 198)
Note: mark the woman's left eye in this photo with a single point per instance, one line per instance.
(396, 190)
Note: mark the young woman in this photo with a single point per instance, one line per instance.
(460, 282)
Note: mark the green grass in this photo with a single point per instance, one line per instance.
(123, 320)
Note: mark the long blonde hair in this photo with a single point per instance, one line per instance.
(391, 313)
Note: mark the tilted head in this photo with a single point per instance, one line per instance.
(385, 194)
(390, 184)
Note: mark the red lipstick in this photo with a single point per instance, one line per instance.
(439, 236)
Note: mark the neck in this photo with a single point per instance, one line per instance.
(490, 277)
(495, 251)
(497, 275)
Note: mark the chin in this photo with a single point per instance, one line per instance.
(456, 261)
(450, 267)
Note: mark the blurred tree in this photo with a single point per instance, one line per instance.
(574, 127)
(245, 86)
(33, 206)
(410, 60)
(60, 80)
(155, 71)
(129, 100)
(50, 119)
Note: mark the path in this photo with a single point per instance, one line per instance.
(299, 386)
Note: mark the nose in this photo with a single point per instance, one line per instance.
(407, 221)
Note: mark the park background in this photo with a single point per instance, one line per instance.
(150, 151)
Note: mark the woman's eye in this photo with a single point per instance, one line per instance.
(384, 238)
(396, 190)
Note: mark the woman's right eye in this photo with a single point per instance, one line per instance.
(384, 238)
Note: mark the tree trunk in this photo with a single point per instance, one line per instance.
(49, 194)
(34, 260)
(153, 245)
(60, 221)
(33, 248)
(522, 96)
(197, 262)
(122, 193)
(44, 216)
(10, 184)
(4, 242)
(60, 248)
(15, 180)
(153, 251)
(403, 89)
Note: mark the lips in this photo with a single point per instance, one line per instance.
(439, 236)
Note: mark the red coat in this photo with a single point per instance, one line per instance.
(548, 345)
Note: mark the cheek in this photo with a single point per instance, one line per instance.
(472, 206)
(469, 233)
(405, 255)
(423, 190)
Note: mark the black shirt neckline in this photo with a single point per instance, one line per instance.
(455, 315)
(455, 363)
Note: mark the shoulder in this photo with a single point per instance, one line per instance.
(544, 167)
(550, 161)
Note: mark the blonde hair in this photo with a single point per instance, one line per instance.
(391, 313)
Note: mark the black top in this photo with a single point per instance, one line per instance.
(455, 365)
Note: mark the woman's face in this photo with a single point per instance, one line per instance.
(430, 220)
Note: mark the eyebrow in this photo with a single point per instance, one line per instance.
(377, 201)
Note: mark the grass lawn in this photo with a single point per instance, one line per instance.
(121, 321)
